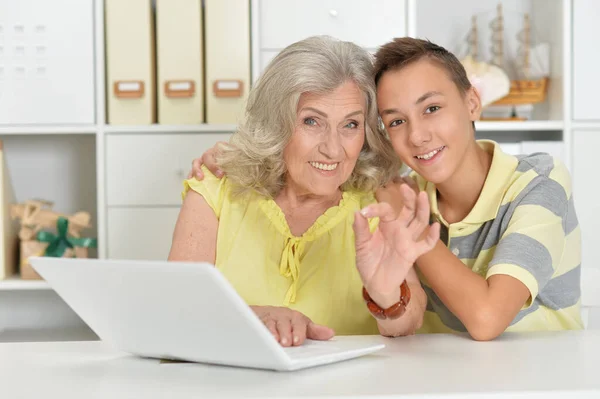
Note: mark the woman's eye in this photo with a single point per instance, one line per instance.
(310, 121)
(431, 109)
(352, 125)
(396, 122)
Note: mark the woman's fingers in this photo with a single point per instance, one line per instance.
(299, 327)
(362, 233)
(421, 217)
(272, 327)
(382, 210)
(409, 198)
(319, 332)
(425, 245)
(284, 328)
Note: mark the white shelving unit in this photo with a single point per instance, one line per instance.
(525, 126)
(16, 284)
(90, 148)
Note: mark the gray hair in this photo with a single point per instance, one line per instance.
(253, 159)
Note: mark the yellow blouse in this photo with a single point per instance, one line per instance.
(314, 274)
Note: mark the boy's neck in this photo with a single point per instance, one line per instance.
(458, 195)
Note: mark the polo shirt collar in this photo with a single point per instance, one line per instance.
(499, 176)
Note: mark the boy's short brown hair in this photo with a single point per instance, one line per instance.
(406, 50)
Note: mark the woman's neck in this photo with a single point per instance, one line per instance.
(458, 195)
(302, 209)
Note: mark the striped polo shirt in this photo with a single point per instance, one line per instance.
(523, 225)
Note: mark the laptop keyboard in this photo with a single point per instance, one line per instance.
(310, 349)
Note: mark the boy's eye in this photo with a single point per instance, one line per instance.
(431, 109)
(396, 122)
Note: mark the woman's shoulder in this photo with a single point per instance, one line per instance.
(215, 190)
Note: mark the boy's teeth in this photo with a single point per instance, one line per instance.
(429, 155)
(323, 166)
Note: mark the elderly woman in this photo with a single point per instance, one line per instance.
(281, 225)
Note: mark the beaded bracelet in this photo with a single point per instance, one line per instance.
(394, 311)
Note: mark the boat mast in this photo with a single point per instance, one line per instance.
(497, 49)
(473, 39)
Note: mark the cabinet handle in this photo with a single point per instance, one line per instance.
(128, 89)
(180, 88)
(228, 88)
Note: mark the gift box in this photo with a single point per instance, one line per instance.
(36, 248)
(36, 217)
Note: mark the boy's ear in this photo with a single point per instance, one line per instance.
(474, 103)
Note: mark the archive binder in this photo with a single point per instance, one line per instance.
(227, 24)
(179, 53)
(130, 66)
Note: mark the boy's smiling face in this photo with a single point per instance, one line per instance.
(428, 119)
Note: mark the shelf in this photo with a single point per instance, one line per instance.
(82, 333)
(17, 284)
(143, 129)
(586, 125)
(500, 126)
(208, 128)
(58, 129)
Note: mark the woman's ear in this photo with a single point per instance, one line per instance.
(473, 103)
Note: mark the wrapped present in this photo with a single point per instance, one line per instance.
(54, 245)
(37, 248)
(36, 215)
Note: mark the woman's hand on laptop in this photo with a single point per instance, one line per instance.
(290, 327)
(208, 159)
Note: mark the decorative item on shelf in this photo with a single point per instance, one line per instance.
(36, 217)
(37, 214)
(529, 72)
(490, 80)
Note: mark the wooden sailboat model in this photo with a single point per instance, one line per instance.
(529, 72)
(491, 81)
(530, 87)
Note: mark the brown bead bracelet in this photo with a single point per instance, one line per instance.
(393, 312)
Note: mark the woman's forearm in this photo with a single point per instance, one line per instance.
(412, 319)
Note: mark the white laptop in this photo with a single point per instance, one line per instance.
(181, 311)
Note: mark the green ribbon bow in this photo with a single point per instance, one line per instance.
(58, 244)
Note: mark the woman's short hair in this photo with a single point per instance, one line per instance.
(253, 159)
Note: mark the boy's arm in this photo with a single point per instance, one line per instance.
(524, 260)
(485, 307)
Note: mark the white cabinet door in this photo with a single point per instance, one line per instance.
(141, 233)
(367, 23)
(149, 169)
(586, 59)
(46, 62)
(586, 193)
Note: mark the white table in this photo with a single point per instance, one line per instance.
(541, 365)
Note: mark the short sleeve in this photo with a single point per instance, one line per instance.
(531, 247)
(213, 189)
